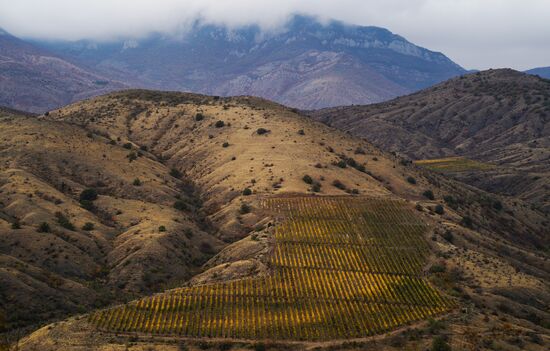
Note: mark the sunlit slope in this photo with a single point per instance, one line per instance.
(341, 267)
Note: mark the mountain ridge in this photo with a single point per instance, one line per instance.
(216, 60)
(496, 116)
(37, 80)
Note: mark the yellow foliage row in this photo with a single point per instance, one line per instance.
(342, 267)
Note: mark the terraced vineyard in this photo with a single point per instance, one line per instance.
(454, 164)
(341, 267)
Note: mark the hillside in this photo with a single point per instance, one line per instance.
(306, 64)
(184, 178)
(543, 72)
(499, 117)
(35, 80)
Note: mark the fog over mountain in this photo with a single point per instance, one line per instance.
(515, 32)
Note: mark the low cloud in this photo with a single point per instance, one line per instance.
(474, 33)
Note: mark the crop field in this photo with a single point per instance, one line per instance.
(341, 267)
(454, 164)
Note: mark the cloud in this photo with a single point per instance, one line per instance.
(475, 33)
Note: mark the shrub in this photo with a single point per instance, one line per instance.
(175, 173)
(301, 132)
(439, 209)
(497, 205)
(247, 192)
(89, 194)
(137, 182)
(307, 179)
(88, 226)
(428, 194)
(87, 205)
(351, 162)
(162, 228)
(437, 268)
(127, 146)
(219, 124)
(245, 209)
(180, 205)
(318, 165)
(188, 233)
(199, 117)
(419, 207)
(360, 151)
(112, 142)
(44, 227)
(467, 222)
(64, 221)
(16, 225)
(316, 187)
(439, 344)
(355, 191)
(206, 248)
(226, 144)
(411, 180)
(448, 235)
(262, 131)
(338, 184)
(341, 164)
(132, 156)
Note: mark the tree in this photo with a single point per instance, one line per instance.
(439, 209)
(89, 194)
(247, 192)
(428, 194)
(219, 124)
(88, 226)
(307, 179)
(175, 173)
(44, 227)
(411, 180)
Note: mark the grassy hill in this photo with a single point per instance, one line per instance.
(499, 117)
(227, 202)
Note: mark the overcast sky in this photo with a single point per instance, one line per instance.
(474, 33)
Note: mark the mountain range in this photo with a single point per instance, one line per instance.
(543, 72)
(36, 80)
(307, 65)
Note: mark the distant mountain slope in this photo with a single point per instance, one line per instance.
(35, 80)
(497, 116)
(543, 72)
(307, 65)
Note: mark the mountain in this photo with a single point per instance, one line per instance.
(35, 80)
(543, 72)
(250, 220)
(500, 117)
(306, 65)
